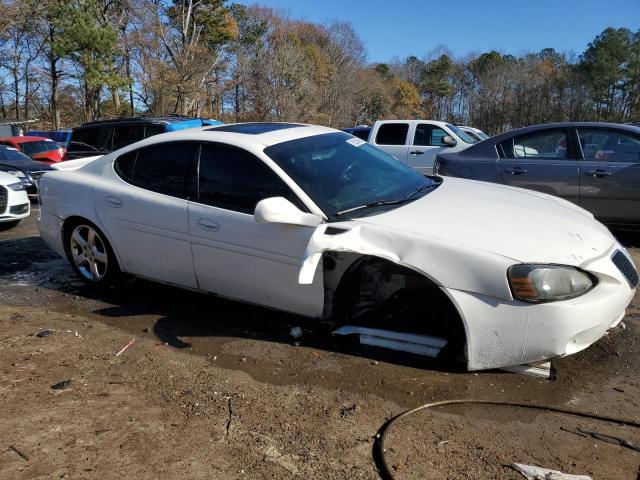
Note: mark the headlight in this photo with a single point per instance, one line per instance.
(16, 187)
(548, 283)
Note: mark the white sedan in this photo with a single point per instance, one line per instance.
(14, 202)
(314, 221)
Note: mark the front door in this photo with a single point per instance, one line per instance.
(145, 212)
(544, 161)
(610, 174)
(427, 143)
(234, 255)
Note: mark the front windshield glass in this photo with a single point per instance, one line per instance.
(38, 146)
(465, 137)
(12, 154)
(347, 177)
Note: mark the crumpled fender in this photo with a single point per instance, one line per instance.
(448, 264)
(352, 240)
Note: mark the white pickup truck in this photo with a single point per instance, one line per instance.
(417, 142)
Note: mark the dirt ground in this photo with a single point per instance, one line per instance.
(212, 388)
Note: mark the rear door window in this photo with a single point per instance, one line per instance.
(545, 144)
(126, 135)
(234, 179)
(163, 168)
(392, 134)
(602, 145)
(151, 130)
(94, 139)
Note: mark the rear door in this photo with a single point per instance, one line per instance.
(393, 138)
(427, 143)
(610, 174)
(543, 160)
(145, 212)
(236, 256)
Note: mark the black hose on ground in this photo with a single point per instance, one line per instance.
(379, 448)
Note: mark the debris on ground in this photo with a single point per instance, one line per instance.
(603, 437)
(122, 350)
(295, 332)
(346, 411)
(44, 333)
(19, 453)
(61, 385)
(531, 472)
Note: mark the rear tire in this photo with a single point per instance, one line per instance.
(90, 254)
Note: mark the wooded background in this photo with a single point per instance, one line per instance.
(69, 61)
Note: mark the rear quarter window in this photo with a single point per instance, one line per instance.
(392, 134)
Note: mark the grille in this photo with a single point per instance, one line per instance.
(19, 209)
(3, 199)
(335, 230)
(625, 266)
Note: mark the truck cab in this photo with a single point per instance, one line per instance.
(417, 142)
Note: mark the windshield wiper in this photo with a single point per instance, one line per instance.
(427, 186)
(377, 203)
(380, 203)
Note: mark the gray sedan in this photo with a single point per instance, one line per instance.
(594, 165)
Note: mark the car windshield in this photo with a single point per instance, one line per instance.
(346, 176)
(38, 146)
(13, 154)
(465, 137)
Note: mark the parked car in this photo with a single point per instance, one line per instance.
(14, 202)
(594, 165)
(248, 211)
(41, 149)
(62, 137)
(19, 165)
(361, 131)
(104, 136)
(417, 142)
(475, 133)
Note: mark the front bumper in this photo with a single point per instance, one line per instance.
(50, 227)
(17, 206)
(502, 333)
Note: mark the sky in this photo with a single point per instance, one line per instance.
(416, 27)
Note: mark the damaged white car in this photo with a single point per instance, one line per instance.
(316, 222)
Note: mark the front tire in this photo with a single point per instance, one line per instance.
(90, 254)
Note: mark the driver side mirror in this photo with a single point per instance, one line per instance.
(281, 210)
(449, 141)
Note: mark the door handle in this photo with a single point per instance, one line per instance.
(208, 224)
(114, 201)
(597, 173)
(416, 152)
(515, 171)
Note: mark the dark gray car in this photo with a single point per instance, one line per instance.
(595, 165)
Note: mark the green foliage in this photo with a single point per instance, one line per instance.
(87, 38)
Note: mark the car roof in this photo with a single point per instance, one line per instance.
(168, 119)
(487, 148)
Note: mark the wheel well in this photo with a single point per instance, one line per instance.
(371, 291)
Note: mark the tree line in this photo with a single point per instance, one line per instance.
(68, 61)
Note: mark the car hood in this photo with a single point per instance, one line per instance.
(523, 225)
(26, 165)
